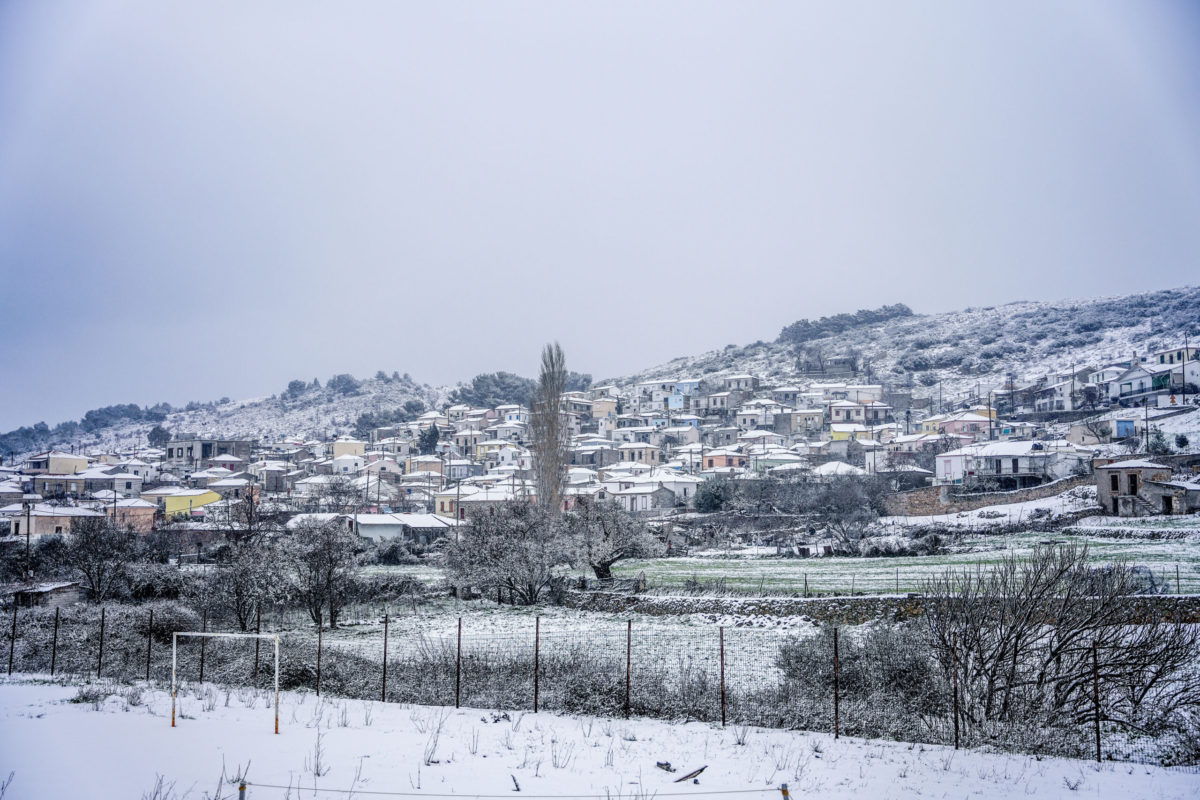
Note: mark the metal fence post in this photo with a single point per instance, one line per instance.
(149, 641)
(383, 694)
(721, 633)
(174, 670)
(54, 643)
(100, 655)
(1096, 695)
(954, 669)
(257, 642)
(628, 662)
(320, 627)
(276, 686)
(458, 667)
(836, 709)
(203, 642)
(12, 642)
(537, 652)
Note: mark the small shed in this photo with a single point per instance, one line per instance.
(30, 595)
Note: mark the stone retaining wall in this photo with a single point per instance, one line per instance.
(941, 500)
(836, 610)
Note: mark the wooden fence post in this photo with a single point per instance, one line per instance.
(100, 655)
(383, 695)
(54, 643)
(721, 632)
(458, 667)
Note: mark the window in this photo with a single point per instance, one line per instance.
(1114, 482)
(1014, 466)
(58, 529)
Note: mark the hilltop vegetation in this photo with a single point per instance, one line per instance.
(955, 351)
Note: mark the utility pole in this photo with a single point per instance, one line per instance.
(1186, 357)
(28, 535)
(1146, 424)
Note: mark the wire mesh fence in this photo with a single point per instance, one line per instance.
(733, 676)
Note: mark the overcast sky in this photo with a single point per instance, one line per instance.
(211, 198)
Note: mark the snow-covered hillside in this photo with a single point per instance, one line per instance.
(314, 414)
(977, 346)
(951, 353)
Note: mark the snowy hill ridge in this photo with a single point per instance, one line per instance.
(976, 346)
(316, 413)
(959, 350)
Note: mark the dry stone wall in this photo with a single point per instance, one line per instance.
(838, 610)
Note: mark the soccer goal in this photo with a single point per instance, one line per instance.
(197, 635)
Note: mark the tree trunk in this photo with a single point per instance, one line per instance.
(603, 571)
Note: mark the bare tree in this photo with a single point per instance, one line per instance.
(324, 559)
(249, 520)
(100, 553)
(845, 505)
(603, 534)
(515, 547)
(1022, 636)
(548, 429)
(339, 495)
(246, 581)
(1098, 429)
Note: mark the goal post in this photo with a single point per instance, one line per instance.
(205, 635)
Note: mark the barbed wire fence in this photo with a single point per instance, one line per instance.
(724, 676)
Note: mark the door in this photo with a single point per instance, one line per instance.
(1133, 483)
(1167, 505)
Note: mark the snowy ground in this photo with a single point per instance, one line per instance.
(121, 745)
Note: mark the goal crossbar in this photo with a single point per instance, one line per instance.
(206, 635)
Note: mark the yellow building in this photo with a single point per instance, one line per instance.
(839, 432)
(347, 446)
(180, 501)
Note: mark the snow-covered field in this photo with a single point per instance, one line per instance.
(60, 743)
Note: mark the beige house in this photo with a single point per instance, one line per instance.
(348, 446)
(55, 462)
(640, 452)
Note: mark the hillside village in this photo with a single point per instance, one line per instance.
(653, 446)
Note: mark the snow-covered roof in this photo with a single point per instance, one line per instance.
(838, 468)
(1134, 463)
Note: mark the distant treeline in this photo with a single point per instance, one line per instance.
(806, 330)
(42, 436)
(491, 389)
